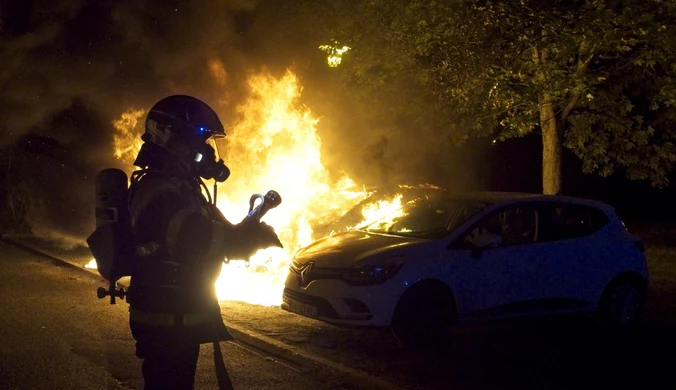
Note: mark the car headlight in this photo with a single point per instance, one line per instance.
(369, 274)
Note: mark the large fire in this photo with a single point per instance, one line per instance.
(274, 146)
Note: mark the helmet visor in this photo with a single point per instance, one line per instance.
(218, 143)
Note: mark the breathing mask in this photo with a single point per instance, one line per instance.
(208, 167)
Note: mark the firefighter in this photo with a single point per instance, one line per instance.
(180, 241)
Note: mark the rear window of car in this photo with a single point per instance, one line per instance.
(561, 221)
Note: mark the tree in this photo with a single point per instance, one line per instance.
(594, 76)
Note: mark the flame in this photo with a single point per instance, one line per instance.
(381, 209)
(126, 140)
(274, 145)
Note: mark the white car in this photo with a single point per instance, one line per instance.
(445, 258)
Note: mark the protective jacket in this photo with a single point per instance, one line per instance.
(180, 241)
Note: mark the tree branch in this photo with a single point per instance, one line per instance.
(581, 68)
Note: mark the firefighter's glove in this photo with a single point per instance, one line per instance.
(249, 237)
(265, 236)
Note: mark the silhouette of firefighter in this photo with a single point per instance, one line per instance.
(180, 240)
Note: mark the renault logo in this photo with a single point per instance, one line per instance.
(306, 273)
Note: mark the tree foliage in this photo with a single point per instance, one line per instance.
(600, 72)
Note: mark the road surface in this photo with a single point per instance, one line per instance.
(54, 334)
(280, 350)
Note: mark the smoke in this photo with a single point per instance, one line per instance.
(70, 68)
(380, 146)
(112, 54)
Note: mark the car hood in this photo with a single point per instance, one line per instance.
(349, 248)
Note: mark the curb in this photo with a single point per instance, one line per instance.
(40, 253)
(254, 339)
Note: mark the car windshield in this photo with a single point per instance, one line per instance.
(426, 218)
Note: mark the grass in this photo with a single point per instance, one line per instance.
(662, 265)
(661, 304)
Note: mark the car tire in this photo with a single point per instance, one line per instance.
(423, 314)
(622, 302)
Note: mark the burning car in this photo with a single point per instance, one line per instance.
(444, 258)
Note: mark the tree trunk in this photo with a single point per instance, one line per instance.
(551, 148)
(551, 144)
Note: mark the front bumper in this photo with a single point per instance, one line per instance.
(336, 302)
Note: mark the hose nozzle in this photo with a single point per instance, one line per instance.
(268, 202)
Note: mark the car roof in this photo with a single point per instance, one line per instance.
(500, 197)
(492, 197)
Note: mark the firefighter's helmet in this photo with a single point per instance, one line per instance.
(181, 121)
(181, 125)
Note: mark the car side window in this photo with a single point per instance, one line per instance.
(511, 226)
(567, 221)
(520, 226)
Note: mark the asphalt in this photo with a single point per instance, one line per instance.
(76, 256)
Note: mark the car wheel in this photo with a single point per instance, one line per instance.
(622, 302)
(423, 314)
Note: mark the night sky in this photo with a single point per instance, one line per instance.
(70, 67)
